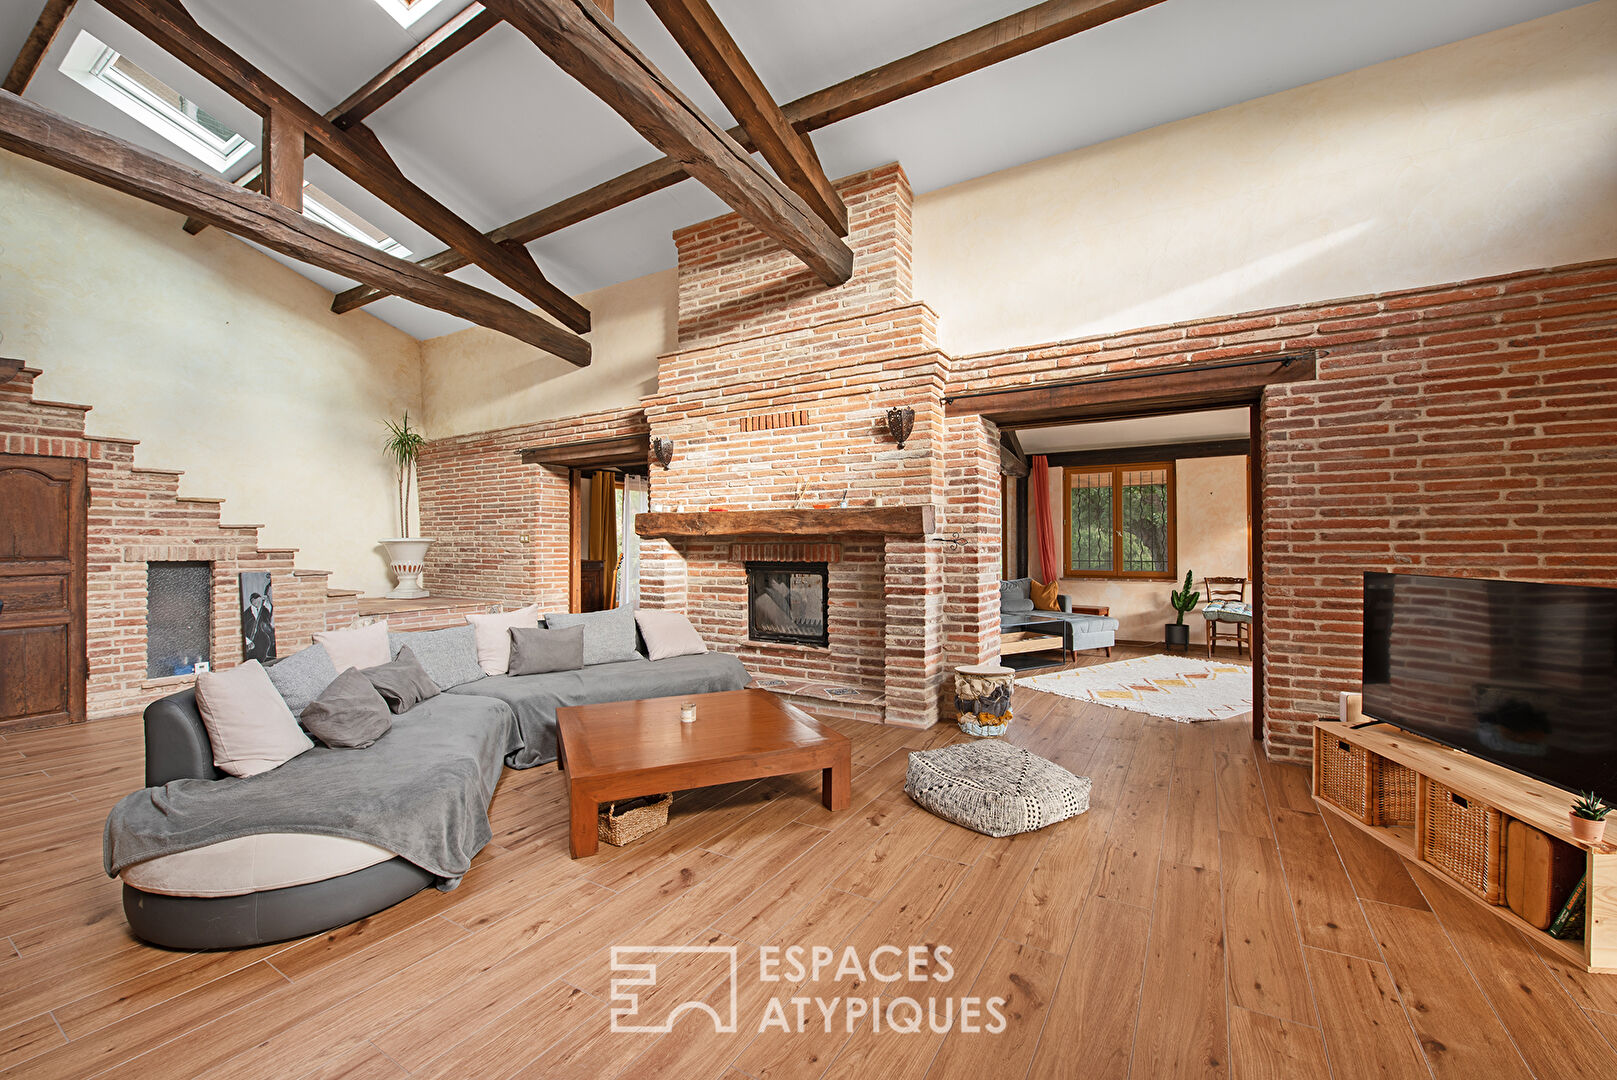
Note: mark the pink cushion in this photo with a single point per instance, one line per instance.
(668, 633)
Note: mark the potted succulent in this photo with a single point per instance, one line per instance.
(1588, 817)
(405, 553)
(1176, 635)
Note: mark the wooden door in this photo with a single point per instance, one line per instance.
(42, 555)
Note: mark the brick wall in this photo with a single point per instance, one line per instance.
(1466, 429)
(499, 527)
(136, 515)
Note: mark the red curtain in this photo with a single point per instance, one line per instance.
(1044, 526)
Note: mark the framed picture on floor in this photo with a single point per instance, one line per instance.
(257, 616)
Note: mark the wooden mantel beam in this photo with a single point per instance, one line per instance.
(168, 25)
(963, 54)
(588, 46)
(705, 40)
(53, 139)
(37, 44)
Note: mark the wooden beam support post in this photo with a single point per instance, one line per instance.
(585, 44)
(283, 159)
(37, 44)
(716, 55)
(53, 139)
(167, 24)
(991, 43)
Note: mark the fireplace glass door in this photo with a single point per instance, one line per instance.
(787, 602)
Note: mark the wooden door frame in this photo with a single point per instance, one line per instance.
(78, 617)
(1161, 392)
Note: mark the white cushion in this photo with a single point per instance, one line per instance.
(253, 864)
(494, 636)
(251, 728)
(362, 647)
(668, 633)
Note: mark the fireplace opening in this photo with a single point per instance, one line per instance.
(788, 602)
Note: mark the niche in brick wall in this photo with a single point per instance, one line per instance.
(179, 620)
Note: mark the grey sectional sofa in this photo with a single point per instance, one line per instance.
(178, 749)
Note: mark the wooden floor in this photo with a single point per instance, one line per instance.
(1200, 920)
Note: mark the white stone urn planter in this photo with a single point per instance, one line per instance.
(405, 555)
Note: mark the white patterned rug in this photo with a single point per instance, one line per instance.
(1180, 688)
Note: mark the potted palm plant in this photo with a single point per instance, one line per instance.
(405, 553)
(1588, 817)
(1176, 635)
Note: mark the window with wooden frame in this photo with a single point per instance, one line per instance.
(1119, 521)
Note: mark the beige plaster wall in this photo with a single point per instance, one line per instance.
(477, 380)
(1212, 538)
(1489, 155)
(221, 361)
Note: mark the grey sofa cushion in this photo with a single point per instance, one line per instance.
(402, 682)
(535, 698)
(608, 635)
(350, 714)
(449, 656)
(538, 652)
(301, 677)
(1016, 595)
(994, 787)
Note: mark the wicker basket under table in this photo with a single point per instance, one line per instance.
(638, 818)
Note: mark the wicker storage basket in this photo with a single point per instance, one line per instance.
(624, 823)
(1393, 793)
(1464, 838)
(1344, 774)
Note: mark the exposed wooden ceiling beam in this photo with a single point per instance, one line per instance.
(440, 45)
(168, 25)
(283, 159)
(588, 46)
(1000, 40)
(48, 137)
(1145, 392)
(789, 152)
(37, 44)
(388, 83)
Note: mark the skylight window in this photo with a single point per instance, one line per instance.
(134, 91)
(334, 215)
(406, 12)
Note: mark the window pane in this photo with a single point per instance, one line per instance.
(1145, 520)
(1089, 536)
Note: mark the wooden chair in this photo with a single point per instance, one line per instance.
(1219, 592)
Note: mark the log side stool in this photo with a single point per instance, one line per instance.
(982, 697)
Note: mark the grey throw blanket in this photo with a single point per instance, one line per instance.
(420, 791)
(537, 697)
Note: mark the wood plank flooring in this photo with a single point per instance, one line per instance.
(1201, 920)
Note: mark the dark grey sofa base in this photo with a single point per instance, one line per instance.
(235, 922)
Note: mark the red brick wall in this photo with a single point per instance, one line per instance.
(136, 515)
(499, 527)
(1466, 429)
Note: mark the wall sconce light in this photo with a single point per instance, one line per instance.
(662, 451)
(900, 422)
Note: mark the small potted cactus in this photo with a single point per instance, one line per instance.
(1588, 817)
(1176, 635)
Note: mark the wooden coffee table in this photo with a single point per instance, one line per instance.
(626, 749)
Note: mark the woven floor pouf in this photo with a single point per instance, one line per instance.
(994, 787)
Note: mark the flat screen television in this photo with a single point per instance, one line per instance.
(1518, 673)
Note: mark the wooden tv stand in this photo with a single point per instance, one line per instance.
(1515, 796)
